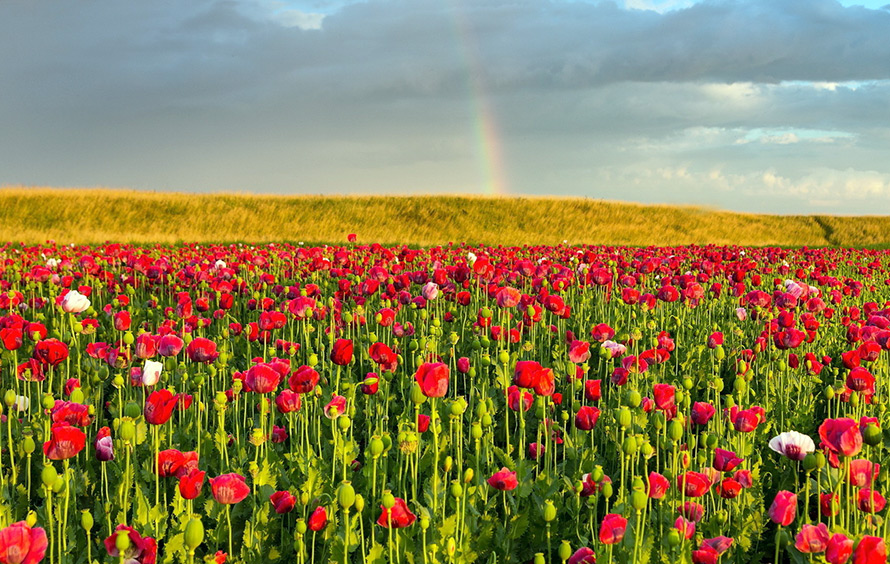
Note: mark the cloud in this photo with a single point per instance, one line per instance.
(416, 95)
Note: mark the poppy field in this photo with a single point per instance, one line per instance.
(458, 403)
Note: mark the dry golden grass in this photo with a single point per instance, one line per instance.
(33, 215)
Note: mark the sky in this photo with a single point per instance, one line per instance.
(768, 106)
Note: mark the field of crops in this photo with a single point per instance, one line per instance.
(93, 216)
(363, 403)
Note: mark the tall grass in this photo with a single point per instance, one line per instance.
(32, 214)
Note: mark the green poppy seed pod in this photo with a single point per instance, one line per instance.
(9, 398)
(48, 401)
(728, 402)
(503, 357)
(76, 395)
(638, 500)
(565, 550)
(577, 385)
(301, 527)
(424, 522)
(129, 339)
(718, 384)
(132, 410)
(809, 462)
(468, 475)
(485, 360)
(597, 473)
(549, 511)
(347, 317)
(539, 558)
(312, 360)
(60, 485)
(658, 421)
(719, 352)
(372, 337)
(486, 420)
(344, 422)
(194, 534)
(29, 445)
(31, 519)
(647, 449)
(376, 446)
(456, 489)
(579, 487)
(424, 314)
(687, 383)
(679, 395)
(86, 520)
(711, 441)
(417, 394)
(625, 418)
(820, 460)
(122, 541)
(359, 503)
(675, 430)
(455, 408)
(486, 312)
(387, 441)
(607, 490)
(871, 435)
(673, 538)
(854, 399)
(49, 475)
(388, 500)
(634, 399)
(629, 447)
(127, 430)
(346, 495)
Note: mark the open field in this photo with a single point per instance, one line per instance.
(34, 215)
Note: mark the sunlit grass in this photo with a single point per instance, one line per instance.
(32, 214)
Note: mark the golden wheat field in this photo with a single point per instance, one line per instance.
(36, 214)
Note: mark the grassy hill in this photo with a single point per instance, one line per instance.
(33, 215)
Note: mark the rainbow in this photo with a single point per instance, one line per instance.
(489, 149)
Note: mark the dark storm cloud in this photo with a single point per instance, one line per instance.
(385, 96)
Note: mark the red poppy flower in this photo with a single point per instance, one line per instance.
(870, 550)
(433, 379)
(142, 550)
(202, 350)
(341, 352)
(262, 378)
(612, 529)
(22, 544)
(838, 549)
(503, 480)
(159, 406)
(229, 489)
(318, 519)
(784, 508)
(190, 484)
(658, 485)
(695, 484)
(583, 555)
(398, 517)
(725, 460)
(51, 352)
(287, 401)
(65, 442)
(283, 502)
(842, 436)
(303, 380)
(586, 417)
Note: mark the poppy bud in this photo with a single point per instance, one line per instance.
(607, 490)
(194, 534)
(673, 538)
(634, 399)
(9, 398)
(29, 445)
(468, 475)
(31, 519)
(629, 447)
(638, 500)
(565, 550)
(539, 558)
(376, 446)
(809, 462)
(49, 475)
(675, 430)
(48, 402)
(359, 503)
(388, 500)
(417, 395)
